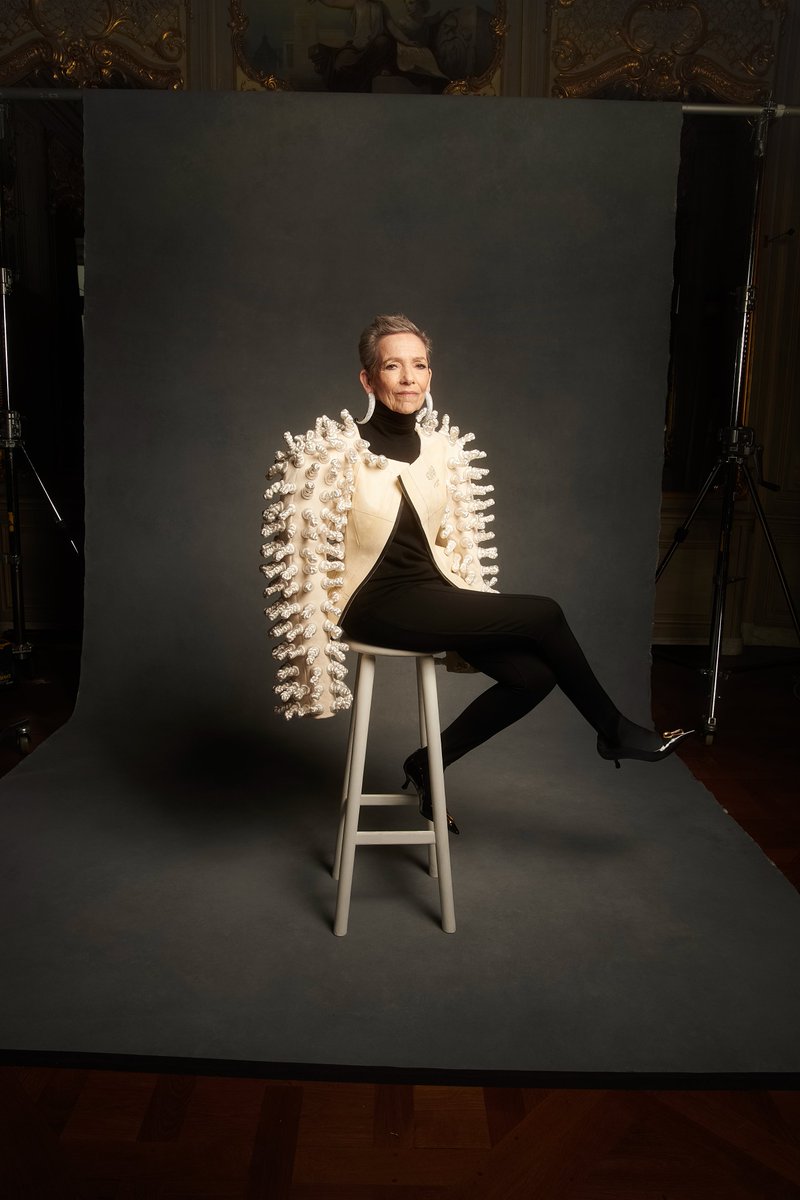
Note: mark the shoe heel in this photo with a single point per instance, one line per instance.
(616, 763)
(407, 782)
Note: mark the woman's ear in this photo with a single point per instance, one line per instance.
(365, 383)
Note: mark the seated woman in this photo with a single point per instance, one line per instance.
(382, 529)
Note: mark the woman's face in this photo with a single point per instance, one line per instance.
(402, 375)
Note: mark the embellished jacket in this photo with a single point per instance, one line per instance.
(331, 511)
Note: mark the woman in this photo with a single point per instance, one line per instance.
(381, 527)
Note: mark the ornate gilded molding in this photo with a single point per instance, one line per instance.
(94, 43)
(664, 49)
(451, 34)
(478, 84)
(239, 25)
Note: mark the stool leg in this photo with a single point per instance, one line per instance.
(337, 858)
(436, 770)
(433, 870)
(355, 783)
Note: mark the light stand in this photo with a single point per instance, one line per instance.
(11, 423)
(739, 444)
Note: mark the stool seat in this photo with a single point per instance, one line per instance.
(385, 652)
(435, 834)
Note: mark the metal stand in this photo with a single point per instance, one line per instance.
(11, 429)
(738, 445)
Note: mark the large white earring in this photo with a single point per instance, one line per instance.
(428, 403)
(370, 409)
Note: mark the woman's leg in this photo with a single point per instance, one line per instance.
(523, 681)
(522, 641)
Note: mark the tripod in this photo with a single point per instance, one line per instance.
(738, 446)
(11, 423)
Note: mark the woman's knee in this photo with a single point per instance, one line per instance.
(548, 613)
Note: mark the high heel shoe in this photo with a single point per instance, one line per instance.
(670, 742)
(416, 769)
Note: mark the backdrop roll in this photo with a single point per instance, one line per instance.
(167, 853)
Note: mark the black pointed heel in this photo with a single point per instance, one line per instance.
(416, 772)
(671, 740)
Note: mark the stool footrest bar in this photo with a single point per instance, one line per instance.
(395, 837)
(389, 798)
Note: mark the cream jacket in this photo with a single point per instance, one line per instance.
(331, 512)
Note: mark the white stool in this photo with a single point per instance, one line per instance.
(350, 836)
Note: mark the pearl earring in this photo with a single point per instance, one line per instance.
(428, 403)
(370, 409)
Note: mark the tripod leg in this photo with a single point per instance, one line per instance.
(14, 557)
(59, 519)
(773, 549)
(720, 591)
(682, 530)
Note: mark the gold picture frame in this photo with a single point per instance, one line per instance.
(379, 46)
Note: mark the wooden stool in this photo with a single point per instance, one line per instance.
(435, 836)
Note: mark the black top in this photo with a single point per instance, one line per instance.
(406, 558)
(393, 434)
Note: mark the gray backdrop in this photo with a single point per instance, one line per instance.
(237, 245)
(170, 847)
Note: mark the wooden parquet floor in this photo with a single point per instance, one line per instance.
(123, 1135)
(109, 1134)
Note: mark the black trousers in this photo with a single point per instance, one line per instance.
(522, 642)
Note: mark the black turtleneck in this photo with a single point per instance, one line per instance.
(406, 559)
(393, 434)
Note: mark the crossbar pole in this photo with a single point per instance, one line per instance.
(709, 110)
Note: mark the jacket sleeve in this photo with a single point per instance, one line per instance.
(463, 533)
(304, 522)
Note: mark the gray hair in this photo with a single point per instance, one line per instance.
(380, 327)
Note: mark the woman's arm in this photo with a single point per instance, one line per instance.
(463, 533)
(305, 520)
